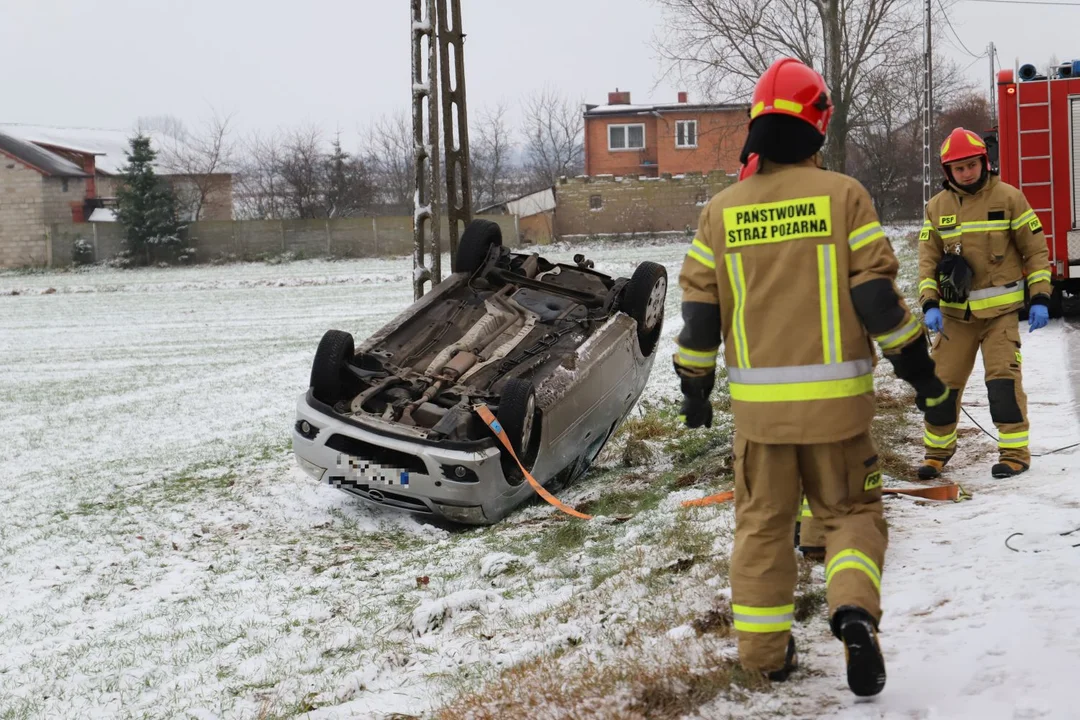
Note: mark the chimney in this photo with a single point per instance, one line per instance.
(618, 98)
(683, 96)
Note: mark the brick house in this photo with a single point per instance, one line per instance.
(623, 139)
(37, 187)
(51, 176)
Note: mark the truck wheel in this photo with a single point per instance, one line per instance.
(643, 299)
(1057, 301)
(521, 421)
(329, 376)
(475, 243)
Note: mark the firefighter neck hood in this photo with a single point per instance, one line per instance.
(782, 139)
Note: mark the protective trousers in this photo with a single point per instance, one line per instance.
(842, 483)
(811, 531)
(954, 353)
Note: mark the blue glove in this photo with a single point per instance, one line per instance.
(1038, 316)
(933, 320)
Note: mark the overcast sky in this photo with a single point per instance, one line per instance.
(342, 63)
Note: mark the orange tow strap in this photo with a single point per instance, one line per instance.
(496, 427)
(953, 492)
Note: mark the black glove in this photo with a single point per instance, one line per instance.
(930, 392)
(914, 366)
(696, 410)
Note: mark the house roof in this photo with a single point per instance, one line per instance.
(109, 146)
(39, 158)
(664, 108)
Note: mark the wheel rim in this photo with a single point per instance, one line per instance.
(527, 429)
(655, 308)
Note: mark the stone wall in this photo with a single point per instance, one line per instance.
(606, 205)
(22, 228)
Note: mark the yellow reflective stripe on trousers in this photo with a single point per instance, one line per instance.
(898, 337)
(763, 619)
(830, 304)
(1024, 219)
(1013, 440)
(696, 358)
(1039, 276)
(939, 441)
(738, 318)
(806, 509)
(991, 297)
(852, 559)
(701, 252)
(865, 235)
(929, 285)
(798, 383)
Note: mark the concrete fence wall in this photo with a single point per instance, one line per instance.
(255, 239)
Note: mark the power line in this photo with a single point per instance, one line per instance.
(956, 35)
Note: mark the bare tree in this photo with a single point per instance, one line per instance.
(390, 155)
(199, 160)
(886, 146)
(260, 193)
(728, 44)
(491, 161)
(553, 131)
(302, 168)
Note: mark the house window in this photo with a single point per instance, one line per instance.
(63, 185)
(626, 137)
(686, 134)
(596, 202)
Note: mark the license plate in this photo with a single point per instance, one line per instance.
(361, 470)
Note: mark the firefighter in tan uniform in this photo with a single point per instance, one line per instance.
(792, 273)
(980, 244)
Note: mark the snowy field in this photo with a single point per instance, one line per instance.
(161, 556)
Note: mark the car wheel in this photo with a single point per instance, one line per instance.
(643, 300)
(475, 243)
(329, 376)
(520, 420)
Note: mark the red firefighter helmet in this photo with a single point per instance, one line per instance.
(789, 87)
(961, 145)
(749, 168)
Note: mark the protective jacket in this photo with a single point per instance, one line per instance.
(1000, 238)
(806, 240)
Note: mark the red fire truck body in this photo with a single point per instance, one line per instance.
(1038, 138)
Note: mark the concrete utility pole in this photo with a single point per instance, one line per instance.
(928, 100)
(993, 80)
(455, 118)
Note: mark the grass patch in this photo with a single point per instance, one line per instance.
(635, 687)
(894, 432)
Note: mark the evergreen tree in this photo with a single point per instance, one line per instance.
(147, 207)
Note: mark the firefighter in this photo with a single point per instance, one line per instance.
(809, 534)
(980, 244)
(792, 272)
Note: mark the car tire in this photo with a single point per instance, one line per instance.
(475, 244)
(643, 299)
(520, 420)
(329, 376)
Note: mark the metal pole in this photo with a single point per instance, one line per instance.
(928, 101)
(423, 204)
(455, 123)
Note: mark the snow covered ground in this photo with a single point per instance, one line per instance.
(161, 556)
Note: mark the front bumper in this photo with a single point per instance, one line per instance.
(465, 487)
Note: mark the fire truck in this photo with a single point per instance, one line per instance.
(1038, 149)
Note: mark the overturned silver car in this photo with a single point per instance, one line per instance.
(560, 353)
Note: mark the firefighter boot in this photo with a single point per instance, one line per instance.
(1008, 468)
(931, 468)
(791, 663)
(865, 663)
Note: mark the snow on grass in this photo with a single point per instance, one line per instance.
(161, 556)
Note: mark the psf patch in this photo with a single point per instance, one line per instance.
(367, 471)
(777, 221)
